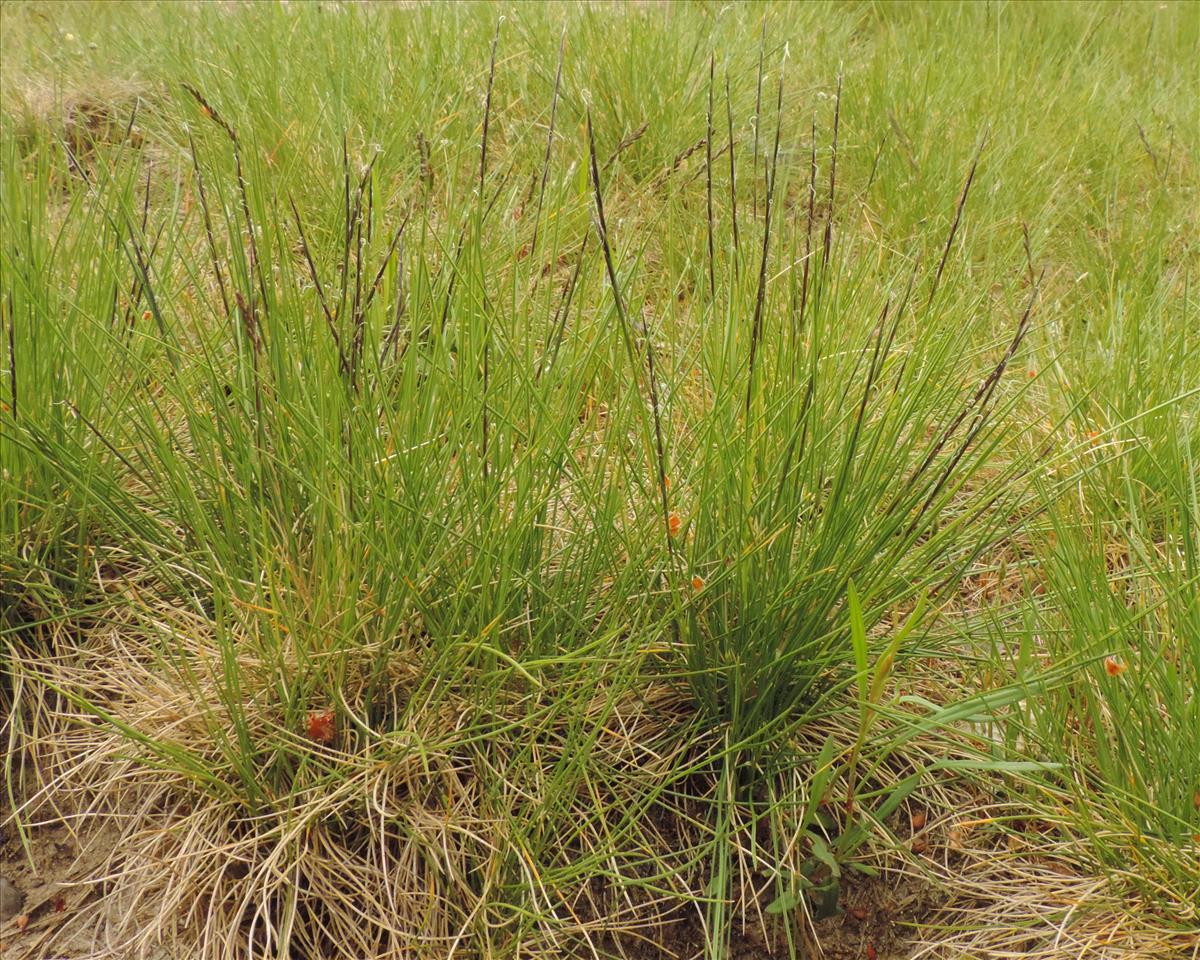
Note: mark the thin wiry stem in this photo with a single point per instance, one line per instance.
(12, 356)
(762, 47)
(979, 401)
(243, 193)
(712, 277)
(537, 220)
(391, 341)
(487, 111)
(737, 245)
(487, 333)
(602, 231)
(962, 202)
(562, 313)
(812, 199)
(208, 228)
(330, 320)
(760, 296)
(387, 257)
(1028, 252)
(837, 113)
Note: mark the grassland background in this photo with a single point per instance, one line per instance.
(490, 600)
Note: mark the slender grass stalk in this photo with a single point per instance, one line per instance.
(733, 217)
(760, 296)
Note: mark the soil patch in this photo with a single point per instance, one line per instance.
(874, 923)
(44, 868)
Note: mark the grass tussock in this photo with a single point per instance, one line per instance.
(597, 481)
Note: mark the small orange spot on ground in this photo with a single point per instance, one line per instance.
(320, 726)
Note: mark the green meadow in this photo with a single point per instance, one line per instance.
(520, 480)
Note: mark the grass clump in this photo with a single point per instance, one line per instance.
(489, 482)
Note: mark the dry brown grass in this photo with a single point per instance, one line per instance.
(395, 856)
